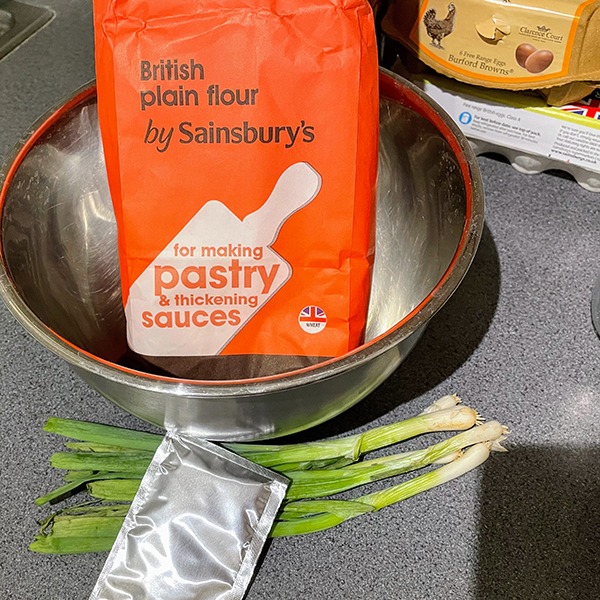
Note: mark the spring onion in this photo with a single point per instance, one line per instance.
(311, 516)
(109, 462)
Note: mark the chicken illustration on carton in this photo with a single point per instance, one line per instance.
(438, 29)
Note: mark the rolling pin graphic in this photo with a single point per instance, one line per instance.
(215, 274)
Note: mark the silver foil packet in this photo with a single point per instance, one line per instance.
(195, 529)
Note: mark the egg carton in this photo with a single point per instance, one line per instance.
(533, 164)
(533, 136)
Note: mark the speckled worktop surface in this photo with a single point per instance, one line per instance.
(516, 341)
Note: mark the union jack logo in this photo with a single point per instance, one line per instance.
(314, 314)
(588, 107)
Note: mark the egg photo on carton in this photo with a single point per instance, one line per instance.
(528, 57)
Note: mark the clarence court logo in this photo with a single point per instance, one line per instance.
(541, 32)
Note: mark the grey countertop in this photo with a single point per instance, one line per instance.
(516, 341)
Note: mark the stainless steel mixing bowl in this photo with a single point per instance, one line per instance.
(59, 269)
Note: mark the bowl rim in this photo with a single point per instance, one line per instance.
(390, 83)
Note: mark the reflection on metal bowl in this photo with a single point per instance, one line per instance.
(59, 269)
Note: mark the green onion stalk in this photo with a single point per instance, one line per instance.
(109, 463)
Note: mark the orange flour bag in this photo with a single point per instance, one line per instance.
(240, 139)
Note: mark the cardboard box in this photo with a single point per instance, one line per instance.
(526, 45)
